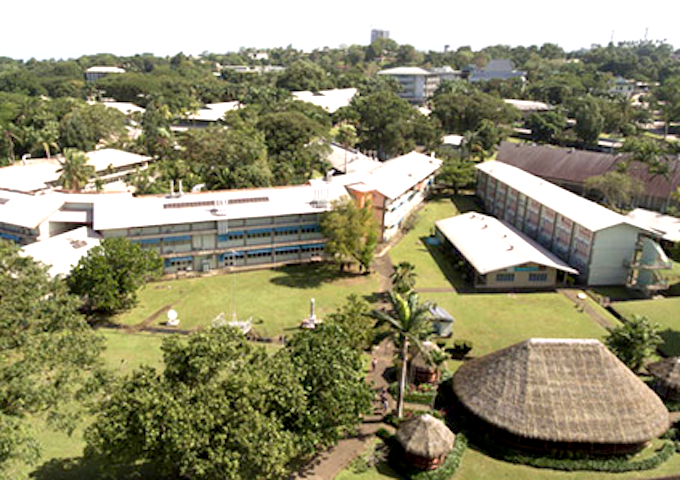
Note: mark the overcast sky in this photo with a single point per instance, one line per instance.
(71, 28)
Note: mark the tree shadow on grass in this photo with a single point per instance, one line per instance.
(309, 275)
(90, 468)
(671, 342)
(444, 263)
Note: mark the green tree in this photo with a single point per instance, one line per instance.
(634, 341)
(462, 112)
(157, 139)
(456, 173)
(85, 126)
(617, 188)
(546, 127)
(354, 318)
(403, 278)
(410, 322)
(352, 233)
(109, 276)
(47, 352)
(589, 120)
(75, 171)
(668, 95)
(304, 75)
(483, 141)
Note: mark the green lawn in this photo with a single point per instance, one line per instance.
(277, 299)
(432, 269)
(477, 466)
(665, 312)
(497, 320)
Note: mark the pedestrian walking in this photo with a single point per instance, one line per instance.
(374, 364)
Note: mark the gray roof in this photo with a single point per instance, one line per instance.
(575, 166)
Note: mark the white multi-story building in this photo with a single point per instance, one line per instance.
(605, 247)
(93, 74)
(417, 84)
(232, 228)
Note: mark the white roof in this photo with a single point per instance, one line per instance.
(124, 107)
(667, 226)
(347, 160)
(527, 105)
(105, 70)
(578, 209)
(213, 112)
(205, 206)
(394, 176)
(491, 245)
(405, 71)
(37, 174)
(455, 140)
(329, 100)
(63, 252)
(25, 210)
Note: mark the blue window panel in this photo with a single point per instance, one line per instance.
(147, 241)
(229, 236)
(526, 269)
(260, 231)
(183, 238)
(170, 261)
(313, 245)
(287, 249)
(9, 236)
(261, 251)
(222, 238)
(286, 229)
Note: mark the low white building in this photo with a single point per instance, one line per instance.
(329, 100)
(63, 252)
(93, 74)
(417, 84)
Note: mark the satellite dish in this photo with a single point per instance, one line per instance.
(172, 314)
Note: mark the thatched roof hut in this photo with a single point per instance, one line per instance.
(558, 394)
(667, 374)
(426, 441)
(422, 370)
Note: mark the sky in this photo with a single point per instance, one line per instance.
(70, 28)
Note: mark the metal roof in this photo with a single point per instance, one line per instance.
(666, 225)
(490, 244)
(63, 252)
(578, 209)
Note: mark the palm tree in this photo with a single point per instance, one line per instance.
(410, 322)
(75, 172)
(404, 278)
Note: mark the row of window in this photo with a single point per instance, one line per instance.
(510, 277)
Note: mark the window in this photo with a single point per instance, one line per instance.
(538, 277)
(505, 277)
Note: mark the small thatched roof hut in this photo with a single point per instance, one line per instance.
(557, 394)
(667, 374)
(421, 368)
(426, 441)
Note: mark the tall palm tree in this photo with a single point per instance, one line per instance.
(75, 172)
(404, 278)
(410, 322)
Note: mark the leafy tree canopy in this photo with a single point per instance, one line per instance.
(634, 341)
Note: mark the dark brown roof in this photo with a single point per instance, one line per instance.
(575, 166)
(668, 371)
(558, 390)
(425, 436)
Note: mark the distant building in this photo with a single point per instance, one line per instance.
(500, 69)
(376, 34)
(329, 100)
(417, 84)
(93, 74)
(447, 73)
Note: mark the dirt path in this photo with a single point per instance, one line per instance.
(571, 294)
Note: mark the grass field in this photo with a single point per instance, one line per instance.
(277, 299)
(477, 466)
(665, 312)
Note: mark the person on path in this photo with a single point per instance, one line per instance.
(383, 400)
(374, 364)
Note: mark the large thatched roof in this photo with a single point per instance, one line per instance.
(425, 436)
(668, 371)
(558, 390)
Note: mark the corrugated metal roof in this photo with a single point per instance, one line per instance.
(575, 166)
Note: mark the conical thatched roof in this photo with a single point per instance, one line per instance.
(667, 370)
(559, 390)
(425, 436)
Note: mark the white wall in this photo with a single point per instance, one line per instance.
(611, 248)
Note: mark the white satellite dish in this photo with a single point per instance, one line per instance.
(173, 321)
(172, 314)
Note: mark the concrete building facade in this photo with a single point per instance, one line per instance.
(605, 247)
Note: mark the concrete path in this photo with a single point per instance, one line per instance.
(571, 294)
